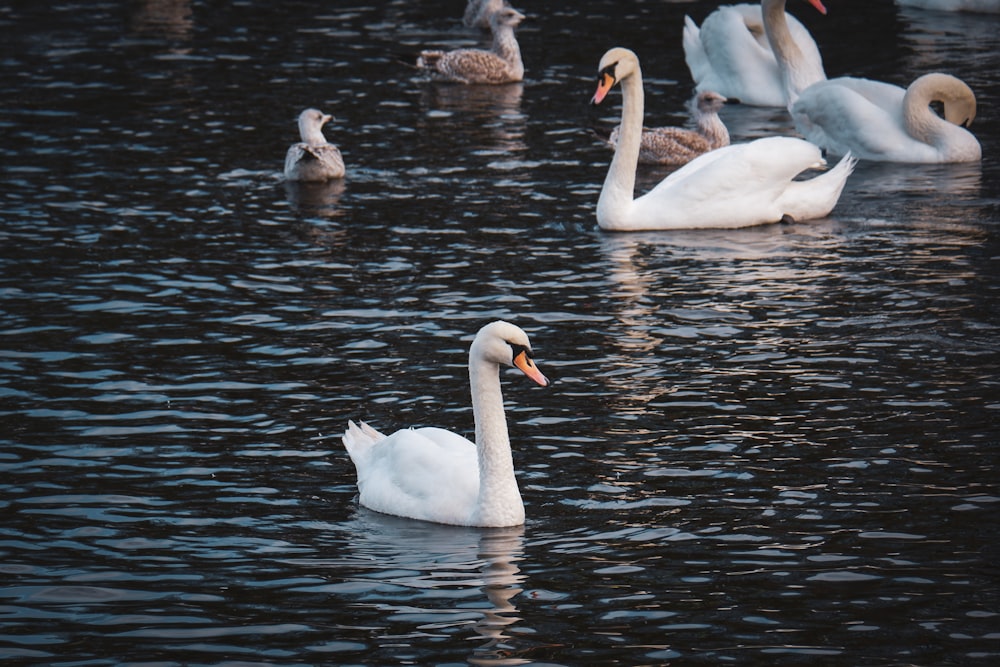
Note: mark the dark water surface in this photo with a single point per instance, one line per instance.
(768, 446)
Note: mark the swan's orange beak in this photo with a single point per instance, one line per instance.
(819, 6)
(604, 84)
(528, 367)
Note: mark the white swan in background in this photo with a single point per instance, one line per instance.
(757, 54)
(435, 475)
(677, 145)
(314, 158)
(880, 121)
(501, 64)
(735, 186)
(983, 6)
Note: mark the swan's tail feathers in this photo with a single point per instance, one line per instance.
(359, 439)
(834, 181)
(844, 168)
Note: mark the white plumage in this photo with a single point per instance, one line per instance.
(434, 475)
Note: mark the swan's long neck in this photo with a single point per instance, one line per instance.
(794, 79)
(618, 192)
(498, 490)
(505, 45)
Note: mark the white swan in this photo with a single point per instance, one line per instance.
(314, 158)
(734, 186)
(757, 54)
(435, 475)
(678, 145)
(501, 64)
(880, 121)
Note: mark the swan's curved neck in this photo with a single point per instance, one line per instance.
(497, 483)
(788, 54)
(953, 142)
(618, 192)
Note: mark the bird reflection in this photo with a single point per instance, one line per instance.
(493, 110)
(169, 19)
(421, 555)
(315, 198)
(500, 550)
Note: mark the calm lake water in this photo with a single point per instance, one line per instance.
(768, 446)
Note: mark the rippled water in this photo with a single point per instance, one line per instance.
(774, 445)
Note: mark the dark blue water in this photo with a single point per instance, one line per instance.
(768, 446)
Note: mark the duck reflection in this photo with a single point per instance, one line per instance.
(427, 556)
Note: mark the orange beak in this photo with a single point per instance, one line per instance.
(604, 84)
(818, 4)
(528, 367)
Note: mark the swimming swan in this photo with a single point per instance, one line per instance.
(314, 158)
(880, 121)
(734, 186)
(757, 54)
(435, 475)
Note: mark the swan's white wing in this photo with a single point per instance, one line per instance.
(738, 65)
(859, 116)
(428, 473)
(734, 186)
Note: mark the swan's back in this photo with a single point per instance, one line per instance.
(735, 186)
(427, 473)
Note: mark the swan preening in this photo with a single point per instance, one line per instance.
(313, 159)
(870, 119)
(501, 64)
(880, 121)
(757, 54)
(435, 475)
(734, 186)
(677, 145)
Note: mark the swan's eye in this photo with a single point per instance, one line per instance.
(519, 349)
(606, 77)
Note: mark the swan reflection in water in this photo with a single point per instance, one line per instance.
(466, 576)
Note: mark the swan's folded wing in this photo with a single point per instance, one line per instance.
(852, 115)
(429, 474)
(741, 64)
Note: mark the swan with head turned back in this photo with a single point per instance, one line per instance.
(734, 186)
(880, 121)
(501, 64)
(435, 475)
(757, 54)
(313, 159)
(678, 145)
